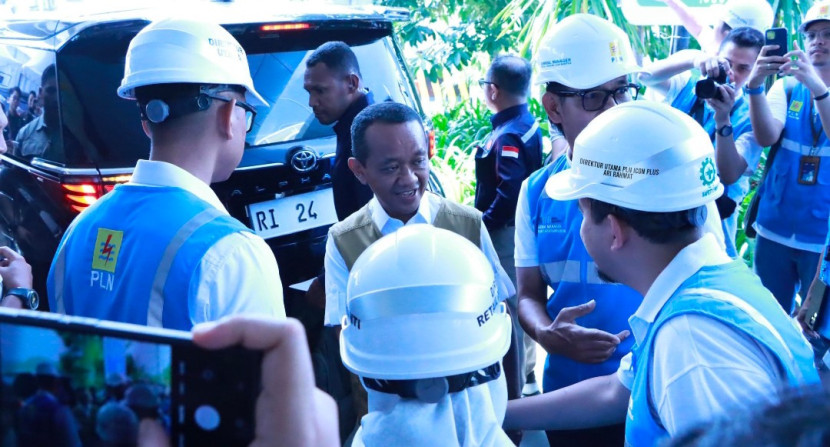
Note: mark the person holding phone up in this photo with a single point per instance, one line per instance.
(795, 197)
(713, 97)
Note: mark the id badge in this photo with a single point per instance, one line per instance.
(808, 170)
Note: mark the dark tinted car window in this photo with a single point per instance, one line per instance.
(106, 128)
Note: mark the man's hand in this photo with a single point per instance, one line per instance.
(723, 106)
(14, 270)
(765, 66)
(710, 66)
(290, 410)
(799, 66)
(565, 337)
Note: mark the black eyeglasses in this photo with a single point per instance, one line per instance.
(250, 111)
(810, 36)
(593, 100)
(483, 83)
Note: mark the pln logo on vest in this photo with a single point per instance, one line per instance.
(105, 258)
(794, 111)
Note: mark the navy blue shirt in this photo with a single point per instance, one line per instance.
(349, 194)
(509, 155)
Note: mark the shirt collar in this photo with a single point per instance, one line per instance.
(40, 123)
(508, 114)
(344, 124)
(425, 214)
(160, 173)
(703, 252)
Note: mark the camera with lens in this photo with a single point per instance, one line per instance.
(708, 87)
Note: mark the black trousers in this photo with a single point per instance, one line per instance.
(610, 436)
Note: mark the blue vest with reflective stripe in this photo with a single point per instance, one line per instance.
(116, 249)
(733, 295)
(741, 124)
(786, 207)
(571, 273)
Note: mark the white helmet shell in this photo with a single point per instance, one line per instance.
(819, 11)
(186, 51)
(422, 303)
(756, 14)
(641, 155)
(584, 51)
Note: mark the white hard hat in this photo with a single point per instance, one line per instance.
(819, 11)
(186, 51)
(644, 156)
(584, 51)
(422, 303)
(756, 14)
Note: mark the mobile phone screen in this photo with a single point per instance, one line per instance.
(68, 386)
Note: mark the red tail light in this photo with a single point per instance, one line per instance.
(431, 140)
(79, 196)
(276, 27)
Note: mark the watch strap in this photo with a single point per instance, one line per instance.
(29, 297)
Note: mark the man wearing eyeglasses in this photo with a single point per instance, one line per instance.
(721, 109)
(162, 250)
(794, 199)
(586, 64)
(509, 154)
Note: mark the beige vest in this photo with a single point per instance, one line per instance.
(357, 232)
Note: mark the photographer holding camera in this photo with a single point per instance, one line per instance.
(717, 103)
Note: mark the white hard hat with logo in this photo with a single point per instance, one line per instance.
(819, 11)
(644, 156)
(422, 303)
(756, 14)
(186, 51)
(584, 51)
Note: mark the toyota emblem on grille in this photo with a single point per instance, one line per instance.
(304, 160)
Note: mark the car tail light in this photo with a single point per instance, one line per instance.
(276, 27)
(80, 195)
(431, 140)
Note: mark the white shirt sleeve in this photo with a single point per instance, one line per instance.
(525, 253)
(676, 84)
(506, 288)
(337, 278)
(748, 147)
(702, 369)
(777, 101)
(625, 373)
(713, 224)
(237, 275)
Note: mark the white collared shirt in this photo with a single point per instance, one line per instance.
(337, 273)
(701, 369)
(238, 274)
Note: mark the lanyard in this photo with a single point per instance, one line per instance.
(816, 132)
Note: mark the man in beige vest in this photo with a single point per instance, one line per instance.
(389, 149)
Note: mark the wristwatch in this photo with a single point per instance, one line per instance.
(725, 131)
(29, 297)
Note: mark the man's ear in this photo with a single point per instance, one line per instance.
(145, 125)
(620, 232)
(553, 107)
(224, 118)
(354, 83)
(358, 169)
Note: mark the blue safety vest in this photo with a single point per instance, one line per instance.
(739, 116)
(734, 296)
(568, 269)
(132, 256)
(787, 208)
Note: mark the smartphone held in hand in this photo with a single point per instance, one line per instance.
(777, 36)
(81, 381)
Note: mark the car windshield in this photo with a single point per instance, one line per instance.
(109, 133)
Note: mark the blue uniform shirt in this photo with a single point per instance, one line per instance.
(511, 152)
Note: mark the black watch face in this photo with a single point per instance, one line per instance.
(725, 131)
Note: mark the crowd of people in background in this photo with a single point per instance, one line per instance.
(616, 254)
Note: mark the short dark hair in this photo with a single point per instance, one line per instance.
(385, 112)
(337, 56)
(16, 89)
(657, 228)
(511, 73)
(744, 37)
(798, 419)
(48, 73)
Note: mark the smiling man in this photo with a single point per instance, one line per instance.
(389, 149)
